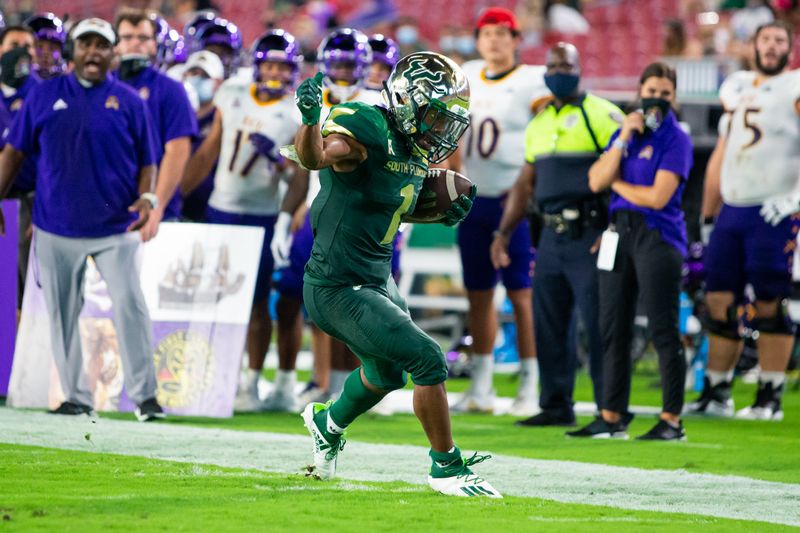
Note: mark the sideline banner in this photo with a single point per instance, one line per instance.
(9, 248)
(198, 281)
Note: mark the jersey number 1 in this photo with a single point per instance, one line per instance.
(250, 162)
(407, 194)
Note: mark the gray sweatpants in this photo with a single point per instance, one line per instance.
(62, 262)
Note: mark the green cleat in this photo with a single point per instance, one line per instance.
(326, 445)
(454, 477)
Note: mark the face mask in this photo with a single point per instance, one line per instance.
(407, 35)
(655, 111)
(562, 85)
(465, 45)
(131, 65)
(15, 67)
(204, 87)
(447, 43)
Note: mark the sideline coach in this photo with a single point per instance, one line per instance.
(93, 144)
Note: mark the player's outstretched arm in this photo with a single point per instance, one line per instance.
(341, 152)
(10, 163)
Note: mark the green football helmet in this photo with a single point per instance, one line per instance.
(428, 99)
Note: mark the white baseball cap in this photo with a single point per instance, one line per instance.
(208, 62)
(95, 25)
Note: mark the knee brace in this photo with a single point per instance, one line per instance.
(778, 324)
(728, 328)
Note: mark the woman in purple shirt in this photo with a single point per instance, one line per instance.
(646, 164)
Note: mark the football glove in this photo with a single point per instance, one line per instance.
(282, 240)
(777, 208)
(309, 99)
(266, 147)
(459, 209)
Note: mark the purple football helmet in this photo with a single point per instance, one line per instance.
(181, 52)
(167, 40)
(202, 19)
(224, 39)
(344, 47)
(50, 39)
(279, 46)
(384, 50)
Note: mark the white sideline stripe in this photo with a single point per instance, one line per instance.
(668, 491)
(401, 400)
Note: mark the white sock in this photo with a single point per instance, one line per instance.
(333, 427)
(251, 381)
(529, 378)
(285, 381)
(338, 377)
(715, 377)
(482, 373)
(776, 378)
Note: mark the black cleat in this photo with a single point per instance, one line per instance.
(72, 409)
(149, 410)
(665, 431)
(767, 405)
(600, 429)
(714, 401)
(548, 418)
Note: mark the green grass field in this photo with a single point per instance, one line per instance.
(50, 489)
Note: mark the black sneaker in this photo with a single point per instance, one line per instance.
(714, 401)
(767, 405)
(665, 431)
(149, 410)
(548, 418)
(72, 409)
(600, 429)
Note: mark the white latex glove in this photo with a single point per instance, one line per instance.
(282, 240)
(777, 208)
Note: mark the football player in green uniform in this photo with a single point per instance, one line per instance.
(373, 161)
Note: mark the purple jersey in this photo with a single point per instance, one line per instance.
(90, 145)
(668, 148)
(195, 204)
(171, 115)
(26, 179)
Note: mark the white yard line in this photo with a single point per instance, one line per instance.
(669, 491)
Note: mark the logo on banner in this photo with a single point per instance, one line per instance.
(184, 368)
(201, 283)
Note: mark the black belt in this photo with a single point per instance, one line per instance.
(559, 222)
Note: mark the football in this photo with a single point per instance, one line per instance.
(439, 189)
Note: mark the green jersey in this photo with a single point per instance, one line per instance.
(356, 215)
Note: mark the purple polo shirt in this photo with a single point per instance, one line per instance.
(171, 115)
(668, 148)
(26, 179)
(90, 144)
(5, 124)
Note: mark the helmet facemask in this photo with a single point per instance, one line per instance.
(428, 99)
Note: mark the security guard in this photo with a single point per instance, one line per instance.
(561, 143)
